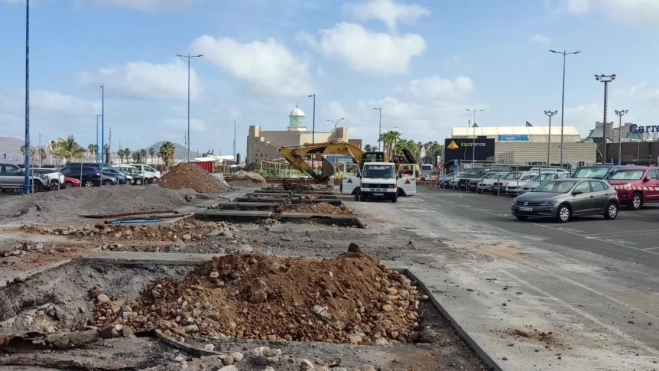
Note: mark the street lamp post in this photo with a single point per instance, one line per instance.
(549, 114)
(606, 79)
(336, 123)
(473, 146)
(96, 154)
(313, 126)
(379, 129)
(620, 113)
(565, 54)
(102, 159)
(189, 57)
(234, 140)
(28, 169)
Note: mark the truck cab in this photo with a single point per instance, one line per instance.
(377, 180)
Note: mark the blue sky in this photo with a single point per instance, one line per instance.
(423, 62)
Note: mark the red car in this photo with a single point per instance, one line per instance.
(70, 182)
(636, 185)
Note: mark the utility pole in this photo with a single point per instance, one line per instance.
(473, 158)
(565, 54)
(550, 114)
(97, 149)
(39, 152)
(102, 159)
(620, 113)
(28, 170)
(109, 154)
(379, 129)
(189, 57)
(313, 127)
(606, 79)
(234, 141)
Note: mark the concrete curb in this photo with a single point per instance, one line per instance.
(26, 275)
(471, 343)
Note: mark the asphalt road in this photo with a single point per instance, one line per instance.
(632, 236)
(591, 284)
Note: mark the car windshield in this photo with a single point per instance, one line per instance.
(379, 171)
(556, 187)
(543, 177)
(528, 176)
(627, 175)
(489, 175)
(594, 172)
(512, 176)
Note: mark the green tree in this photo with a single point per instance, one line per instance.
(167, 151)
(68, 148)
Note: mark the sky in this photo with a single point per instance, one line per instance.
(423, 62)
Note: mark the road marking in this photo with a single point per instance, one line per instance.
(651, 248)
(592, 318)
(612, 242)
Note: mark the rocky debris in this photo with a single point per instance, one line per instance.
(30, 247)
(243, 178)
(184, 231)
(191, 176)
(67, 203)
(351, 298)
(315, 208)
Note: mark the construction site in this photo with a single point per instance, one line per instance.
(199, 274)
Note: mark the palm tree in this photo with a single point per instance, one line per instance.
(42, 155)
(143, 153)
(136, 157)
(127, 154)
(93, 151)
(389, 139)
(108, 154)
(68, 148)
(368, 148)
(152, 152)
(167, 150)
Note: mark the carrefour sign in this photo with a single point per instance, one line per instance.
(636, 129)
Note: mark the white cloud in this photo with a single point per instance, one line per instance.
(367, 51)
(144, 80)
(148, 5)
(539, 39)
(387, 11)
(269, 67)
(635, 12)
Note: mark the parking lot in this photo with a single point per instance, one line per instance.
(632, 236)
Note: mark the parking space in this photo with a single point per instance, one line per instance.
(633, 234)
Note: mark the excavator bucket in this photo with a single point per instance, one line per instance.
(327, 169)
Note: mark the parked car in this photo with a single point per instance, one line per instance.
(474, 184)
(55, 179)
(485, 185)
(541, 178)
(71, 183)
(88, 174)
(636, 185)
(564, 198)
(499, 186)
(601, 172)
(132, 173)
(12, 179)
(149, 174)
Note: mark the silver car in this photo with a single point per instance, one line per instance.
(564, 198)
(541, 178)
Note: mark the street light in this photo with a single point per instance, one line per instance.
(474, 126)
(313, 127)
(565, 54)
(189, 57)
(336, 123)
(606, 79)
(473, 145)
(101, 160)
(549, 114)
(380, 129)
(96, 154)
(620, 113)
(28, 170)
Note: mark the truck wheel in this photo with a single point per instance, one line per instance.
(394, 199)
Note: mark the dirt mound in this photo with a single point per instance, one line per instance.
(247, 179)
(348, 299)
(316, 208)
(191, 176)
(67, 203)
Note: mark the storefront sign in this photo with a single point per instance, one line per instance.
(636, 129)
(514, 138)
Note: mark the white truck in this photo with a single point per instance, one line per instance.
(377, 180)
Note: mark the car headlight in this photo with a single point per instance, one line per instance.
(548, 203)
(514, 200)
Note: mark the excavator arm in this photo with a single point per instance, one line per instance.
(295, 155)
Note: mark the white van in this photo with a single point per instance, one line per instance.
(149, 173)
(377, 180)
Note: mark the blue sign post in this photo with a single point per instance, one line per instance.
(4, 155)
(456, 162)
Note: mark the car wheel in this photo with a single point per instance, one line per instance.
(636, 202)
(54, 186)
(107, 182)
(611, 211)
(68, 185)
(521, 217)
(88, 183)
(564, 213)
(138, 181)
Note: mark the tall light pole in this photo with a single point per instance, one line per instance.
(549, 114)
(102, 159)
(189, 57)
(473, 145)
(620, 113)
(234, 140)
(96, 154)
(565, 54)
(313, 126)
(28, 169)
(606, 79)
(380, 129)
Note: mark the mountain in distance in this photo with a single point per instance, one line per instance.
(12, 147)
(180, 151)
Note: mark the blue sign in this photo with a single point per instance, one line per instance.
(514, 138)
(640, 129)
(4, 156)
(456, 162)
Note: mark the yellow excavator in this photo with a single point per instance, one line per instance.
(296, 156)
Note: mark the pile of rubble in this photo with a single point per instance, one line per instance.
(348, 299)
(315, 208)
(191, 176)
(247, 179)
(186, 230)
